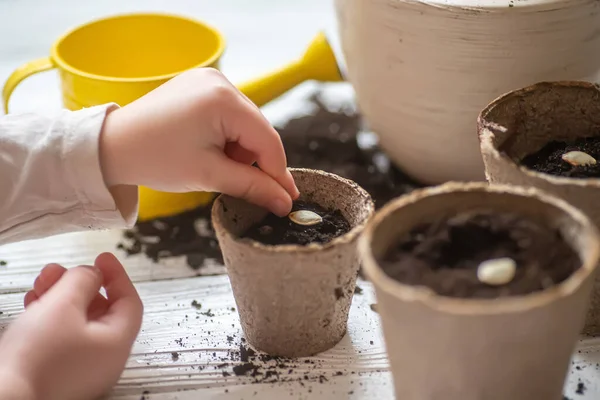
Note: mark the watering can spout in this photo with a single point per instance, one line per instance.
(317, 63)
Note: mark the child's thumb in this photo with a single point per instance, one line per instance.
(78, 285)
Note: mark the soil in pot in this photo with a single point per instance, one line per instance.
(307, 223)
(566, 158)
(474, 255)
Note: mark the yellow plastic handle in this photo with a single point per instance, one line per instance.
(263, 89)
(318, 62)
(24, 71)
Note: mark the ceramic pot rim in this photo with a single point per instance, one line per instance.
(348, 237)
(460, 306)
(487, 128)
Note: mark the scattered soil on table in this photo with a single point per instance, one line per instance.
(240, 364)
(274, 230)
(196, 304)
(444, 255)
(549, 158)
(580, 388)
(189, 234)
(263, 368)
(330, 140)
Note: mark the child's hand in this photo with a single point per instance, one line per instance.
(197, 132)
(71, 343)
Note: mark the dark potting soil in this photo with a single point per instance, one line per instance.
(444, 255)
(328, 140)
(189, 234)
(274, 230)
(549, 158)
(259, 368)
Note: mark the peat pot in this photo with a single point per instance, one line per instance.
(523, 121)
(294, 300)
(514, 347)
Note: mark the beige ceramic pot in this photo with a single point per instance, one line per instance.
(521, 122)
(294, 300)
(515, 348)
(423, 69)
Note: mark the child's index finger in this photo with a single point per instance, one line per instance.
(251, 130)
(124, 304)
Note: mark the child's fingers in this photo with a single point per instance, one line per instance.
(30, 297)
(78, 286)
(49, 275)
(250, 183)
(248, 127)
(237, 153)
(98, 307)
(48, 278)
(125, 307)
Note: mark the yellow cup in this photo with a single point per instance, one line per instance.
(121, 58)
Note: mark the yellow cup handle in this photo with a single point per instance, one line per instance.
(24, 71)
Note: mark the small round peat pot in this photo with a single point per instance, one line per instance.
(453, 333)
(547, 136)
(293, 278)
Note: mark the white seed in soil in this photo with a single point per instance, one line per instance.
(497, 272)
(305, 217)
(578, 158)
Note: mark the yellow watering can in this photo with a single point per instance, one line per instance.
(121, 58)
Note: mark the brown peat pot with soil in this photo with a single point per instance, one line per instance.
(548, 136)
(482, 290)
(293, 278)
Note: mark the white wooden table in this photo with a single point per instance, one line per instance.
(355, 369)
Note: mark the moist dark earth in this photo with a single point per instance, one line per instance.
(274, 230)
(189, 234)
(327, 140)
(444, 255)
(549, 158)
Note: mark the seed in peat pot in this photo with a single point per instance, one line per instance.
(305, 217)
(497, 272)
(578, 158)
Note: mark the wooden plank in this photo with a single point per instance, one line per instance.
(24, 260)
(356, 368)
(205, 338)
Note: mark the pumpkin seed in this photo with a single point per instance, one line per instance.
(305, 217)
(578, 158)
(497, 272)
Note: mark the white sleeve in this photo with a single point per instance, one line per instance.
(51, 180)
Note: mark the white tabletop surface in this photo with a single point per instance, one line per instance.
(261, 34)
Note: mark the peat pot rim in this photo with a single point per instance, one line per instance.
(487, 128)
(460, 306)
(348, 237)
